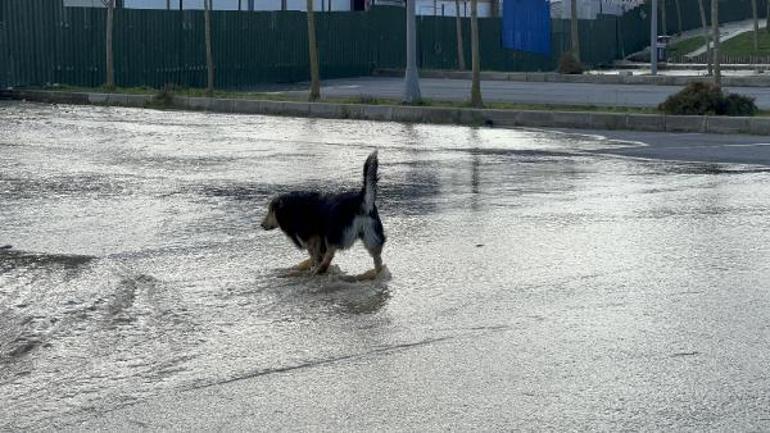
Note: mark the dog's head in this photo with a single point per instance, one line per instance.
(270, 221)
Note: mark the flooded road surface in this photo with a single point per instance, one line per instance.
(536, 282)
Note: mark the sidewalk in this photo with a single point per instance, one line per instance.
(576, 93)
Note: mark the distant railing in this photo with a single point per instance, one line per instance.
(724, 59)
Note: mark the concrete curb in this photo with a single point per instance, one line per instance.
(417, 114)
(552, 77)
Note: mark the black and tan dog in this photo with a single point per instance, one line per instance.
(323, 223)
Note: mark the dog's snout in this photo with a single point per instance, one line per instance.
(269, 222)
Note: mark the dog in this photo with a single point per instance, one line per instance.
(324, 223)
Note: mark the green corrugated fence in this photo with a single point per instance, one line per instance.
(43, 42)
(3, 53)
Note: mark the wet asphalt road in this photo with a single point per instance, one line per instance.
(538, 281)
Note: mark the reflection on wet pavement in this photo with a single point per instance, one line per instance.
(138, 266)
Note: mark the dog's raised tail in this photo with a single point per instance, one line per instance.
(370, 181)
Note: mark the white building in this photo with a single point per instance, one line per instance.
(424, 7)
(589, 9)
(230, 5)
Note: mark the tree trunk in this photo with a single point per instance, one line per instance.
(110, 65)
(283, 5)
(756, 25)
(654, 38)
(664, 27)
(475, 62)
(678, 16)
(411, 78)
(715, 55)
(575, 33)
(315, 79)
(209, 53)
(459, 26)
(706, 37)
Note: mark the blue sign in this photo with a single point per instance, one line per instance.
(527, 26)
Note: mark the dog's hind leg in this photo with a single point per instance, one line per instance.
(376, 253)
(373, 237)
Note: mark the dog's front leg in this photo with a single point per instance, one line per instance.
(327, 260)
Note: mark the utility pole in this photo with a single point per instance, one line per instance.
(654, 38)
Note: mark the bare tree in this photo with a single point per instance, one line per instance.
(678, 16)
(209, 52)
(664, 27)
(575, 33)
(459, 26)
(715, 53)
(756, 24)
(475, 62)
(411, 77)
(315, 79)
(109, 81)
(706, 37)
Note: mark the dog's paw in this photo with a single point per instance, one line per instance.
(368, 275)
(318, 270)
(373, 274)
(304, 265)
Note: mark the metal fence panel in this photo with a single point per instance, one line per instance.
(43, 42)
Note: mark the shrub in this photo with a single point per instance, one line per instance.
(568, 64)
(706, 98)
(739, 105)
(696, 98)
